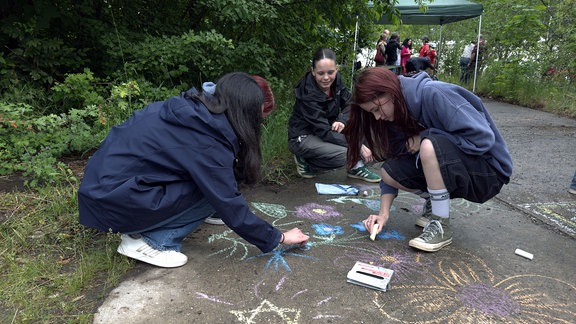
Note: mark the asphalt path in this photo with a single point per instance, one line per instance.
(478, 278)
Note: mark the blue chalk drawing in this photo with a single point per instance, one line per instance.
(277, 257)
(384, 235)
(327, 229)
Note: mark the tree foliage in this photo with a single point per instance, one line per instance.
(61, 57)
(177, 44)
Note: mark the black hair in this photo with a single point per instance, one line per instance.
(405, 43)
(323, 53)
(240, 98)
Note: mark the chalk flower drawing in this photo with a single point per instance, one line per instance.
(465, 290)
(327, 229)
(316, 212)
(236, 245)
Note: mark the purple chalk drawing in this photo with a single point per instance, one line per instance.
(489, 300)
(327, 229)
(280, 283)
(299, 293)
(405, 263)
(323, 301)
(417, 209)
(383, 235)
(316, 212)
(212, 298)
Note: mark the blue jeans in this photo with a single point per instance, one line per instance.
(169, 234)
(573, 185)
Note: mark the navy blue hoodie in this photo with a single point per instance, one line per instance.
(160, 162)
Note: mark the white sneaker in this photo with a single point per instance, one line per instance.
(140, 250)
(214, 220)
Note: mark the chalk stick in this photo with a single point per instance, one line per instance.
(374, 230)
(524, 254)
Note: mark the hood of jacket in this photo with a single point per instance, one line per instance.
(453, 111)
(193, 114)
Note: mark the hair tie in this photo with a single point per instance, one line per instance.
(209, 87)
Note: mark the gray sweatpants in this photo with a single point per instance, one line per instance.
(319, 155)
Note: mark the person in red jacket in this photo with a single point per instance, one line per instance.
(423, 52)
(406, 52)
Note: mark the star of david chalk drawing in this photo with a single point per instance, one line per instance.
(267, 307)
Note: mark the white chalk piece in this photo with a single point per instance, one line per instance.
(524, 254)
(374, 230)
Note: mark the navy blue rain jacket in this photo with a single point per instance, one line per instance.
(160, 162)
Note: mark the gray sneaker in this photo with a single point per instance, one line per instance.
(436, 235)
(424, 218)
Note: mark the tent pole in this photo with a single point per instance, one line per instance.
(439, 48)
(354, 61)
(477, 53)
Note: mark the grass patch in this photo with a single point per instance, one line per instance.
(52, 269)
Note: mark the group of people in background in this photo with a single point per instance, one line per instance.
(175, 163)
(396, 55)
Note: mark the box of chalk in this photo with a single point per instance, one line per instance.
(370, 276)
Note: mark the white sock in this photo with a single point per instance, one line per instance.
(359, 164)
(440, 200)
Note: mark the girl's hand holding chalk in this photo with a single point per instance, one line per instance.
(374, 231)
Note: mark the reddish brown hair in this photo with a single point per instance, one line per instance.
(382, 137)
(269, 103)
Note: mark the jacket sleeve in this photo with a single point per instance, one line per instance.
(345, 96)
(315, 115)
(214, 176)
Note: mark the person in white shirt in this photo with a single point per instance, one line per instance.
(464, 60)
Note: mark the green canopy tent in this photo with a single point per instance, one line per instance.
(438, 12)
